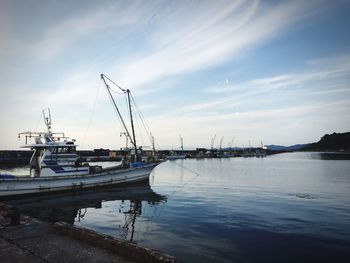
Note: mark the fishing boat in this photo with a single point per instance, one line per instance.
(261, 152)
(56, 166)
(175, 156)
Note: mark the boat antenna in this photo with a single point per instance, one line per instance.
(48, 121)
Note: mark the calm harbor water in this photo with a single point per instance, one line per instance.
(292, 207)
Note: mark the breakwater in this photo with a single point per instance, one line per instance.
(22, 157)
(10, 158)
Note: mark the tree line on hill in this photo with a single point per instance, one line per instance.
(330, 142)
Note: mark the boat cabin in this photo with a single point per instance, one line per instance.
(56, 159)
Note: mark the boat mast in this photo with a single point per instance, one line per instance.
(115, 106)
(153, 147)
(132, 122)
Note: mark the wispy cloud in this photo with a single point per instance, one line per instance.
(199, 40)
(328, 76)
(61, 35)
(179, 37)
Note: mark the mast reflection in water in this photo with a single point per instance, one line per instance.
(124, 203)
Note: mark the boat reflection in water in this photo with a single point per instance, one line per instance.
(125, 202)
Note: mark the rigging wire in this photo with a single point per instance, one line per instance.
(140, 133)
(123, 90)
(116, 112)
(38, 123)
(91, 113)
(139, 113)
(103, 77)
(189, 181)
(188, 169)
(126, 107)
(179, 188)
(126, 101)
(145, 126)
(116, 108)
(116, 92)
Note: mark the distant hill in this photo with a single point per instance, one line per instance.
(282, 148)
(331, 142)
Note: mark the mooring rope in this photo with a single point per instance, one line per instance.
(188, 169)
(161, 208)
(189, 181)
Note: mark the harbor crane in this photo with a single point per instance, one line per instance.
(181, 142)
(231, 142)
(221, 141)
(212, 141)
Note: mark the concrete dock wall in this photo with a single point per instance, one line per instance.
(127, 250)
(25, 239)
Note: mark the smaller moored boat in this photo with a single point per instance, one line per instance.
(175, 155)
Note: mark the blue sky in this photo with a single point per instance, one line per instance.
(271, 71)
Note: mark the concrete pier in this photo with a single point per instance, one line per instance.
(30, 240)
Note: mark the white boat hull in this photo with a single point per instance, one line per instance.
(36, 185)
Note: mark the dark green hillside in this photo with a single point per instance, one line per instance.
(331, 142)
